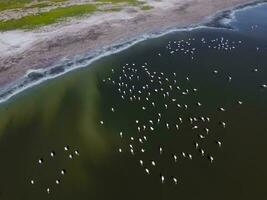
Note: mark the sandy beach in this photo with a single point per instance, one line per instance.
(41, 48)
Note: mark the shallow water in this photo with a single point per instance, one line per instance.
(68, 111)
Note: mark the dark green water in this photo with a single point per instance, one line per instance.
(68, 110)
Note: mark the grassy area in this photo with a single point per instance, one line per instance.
(12, 4)
(117, 1)
(113, 9)
(130, 2)
(38, 5)
(46, 18)
(146, 7)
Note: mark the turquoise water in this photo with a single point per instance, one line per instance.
(68, 111)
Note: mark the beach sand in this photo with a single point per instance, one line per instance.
(21, 50)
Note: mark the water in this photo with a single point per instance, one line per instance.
(68, 111)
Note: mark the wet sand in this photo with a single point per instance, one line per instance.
(50, 45)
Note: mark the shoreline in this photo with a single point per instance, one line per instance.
(81, 60)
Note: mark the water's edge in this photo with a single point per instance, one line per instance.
(221, 19)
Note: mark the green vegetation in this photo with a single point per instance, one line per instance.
(117, 1)
(56, 14)
(46, 18)
(113, 9)
(146, 7)
(38, 5)
(130, 2)
(13, 4)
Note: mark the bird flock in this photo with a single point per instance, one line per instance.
(41, 163)
(156, 95)
(186, 46)
(162, 92)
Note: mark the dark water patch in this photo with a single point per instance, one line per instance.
(225, 18)
(34, 76)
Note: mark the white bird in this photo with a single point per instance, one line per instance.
(167, 125)
(52, 154)
(202, 152)
(201, 136)
(147, 171)
(223, 124)
(196, 145)
(191, 120)
(190, 156)
(144, 127)
(222, 109)
(57, 181)
(160, 150)
(219, 143)
(162, 178)
(63, 171)
(211, 158)
(141, 163)
(175, 158)
(48, 190)
(175, 180)
(41, 160)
